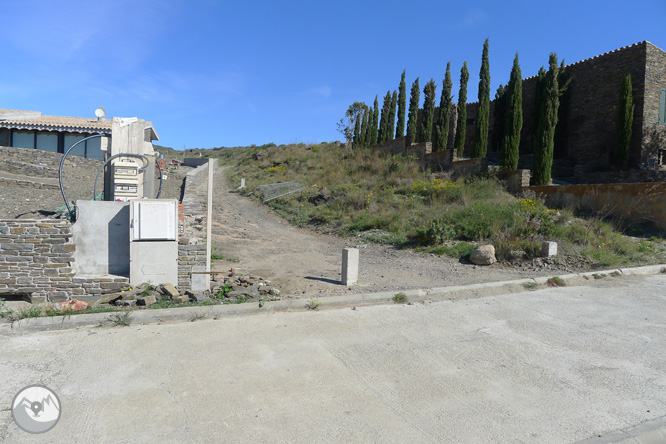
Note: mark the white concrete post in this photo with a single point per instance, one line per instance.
(209, 221)
(548, 249)
(349, 266)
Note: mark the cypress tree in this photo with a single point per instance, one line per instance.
(357, 132)
(429, 94)
(384, 119)
(402, 105)
(499, 116)
(444, 122)
(459, 142)
(514, 119)
(545, 141)
(480, 147)
(625, 119)
(375, 122)
(391, 118)
(412, 116)
(365, 129)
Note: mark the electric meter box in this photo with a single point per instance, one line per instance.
(125, 181)
(154, 220)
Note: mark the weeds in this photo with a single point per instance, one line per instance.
(556, 282)
(530, 285)
(394, 201)
(122, 319)
(197, 317)
(313, 304)
(400, 298)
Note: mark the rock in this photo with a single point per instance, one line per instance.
(181, 299)
(146, 301)
(198, 297)
(127, 303)
(169, 290)
(483, 255)
(109, 298)
(274, 291)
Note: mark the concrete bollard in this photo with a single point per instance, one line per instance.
(349, 266)
(242, 183)
(548, 249)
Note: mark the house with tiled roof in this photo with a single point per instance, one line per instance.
(33, 130)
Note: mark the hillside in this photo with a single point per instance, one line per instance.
(390, 200)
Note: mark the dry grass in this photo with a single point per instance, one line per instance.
(390, 199)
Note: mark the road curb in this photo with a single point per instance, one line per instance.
(450, 293)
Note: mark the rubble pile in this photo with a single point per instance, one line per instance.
(233, 288)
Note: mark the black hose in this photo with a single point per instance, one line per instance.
(62, 162)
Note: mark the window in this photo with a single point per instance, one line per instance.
(71, 139)
(47, 142)
(662, 107)
(23, 139)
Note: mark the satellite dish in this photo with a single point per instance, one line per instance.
(100, 113)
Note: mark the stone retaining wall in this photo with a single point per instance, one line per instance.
(36, 258)
(638, 202)
(192, 239)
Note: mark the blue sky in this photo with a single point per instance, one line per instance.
(210, 73)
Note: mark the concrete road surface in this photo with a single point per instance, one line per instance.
(557, 365)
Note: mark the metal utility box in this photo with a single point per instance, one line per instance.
(154, 220)
(125, 180)
(153, 241)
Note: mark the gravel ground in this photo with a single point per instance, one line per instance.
(303, 262)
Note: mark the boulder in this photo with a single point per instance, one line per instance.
(483, 255)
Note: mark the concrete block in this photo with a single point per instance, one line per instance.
(200, 281)
(548, 249)
(349, 266)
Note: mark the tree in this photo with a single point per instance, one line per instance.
(384, 119)
(499, 116)
(545, 140)
(444, 122)
(347, 124)
(625, 119)
(459, 142)
(365, 129)
(402, 105)
(356, 142)
(513, 120)
(391, 119)
(429, 94)
(375, 122)
(412, 116)
(480, 147)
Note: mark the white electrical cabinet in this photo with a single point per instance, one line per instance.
(154, 220)
(153, 241)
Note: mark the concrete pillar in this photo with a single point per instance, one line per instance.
(548, 249)
(349, 266)
(242, 183)
(209, 220)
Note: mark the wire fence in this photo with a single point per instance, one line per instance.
(274, 190)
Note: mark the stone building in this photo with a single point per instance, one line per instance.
(586, 134)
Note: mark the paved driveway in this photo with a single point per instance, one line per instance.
(550, 366)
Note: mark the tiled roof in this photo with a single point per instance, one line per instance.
(34, 120)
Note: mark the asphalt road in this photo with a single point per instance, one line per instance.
(557, 365)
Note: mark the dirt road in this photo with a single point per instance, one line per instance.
(302, 262)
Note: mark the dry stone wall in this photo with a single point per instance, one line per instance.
(36, 258)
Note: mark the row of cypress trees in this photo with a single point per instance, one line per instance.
(374, 126)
